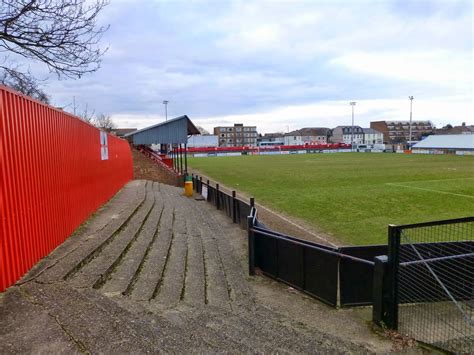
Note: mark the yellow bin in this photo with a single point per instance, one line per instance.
(188, 186)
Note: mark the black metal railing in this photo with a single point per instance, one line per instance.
(235, 208)
(326, 273)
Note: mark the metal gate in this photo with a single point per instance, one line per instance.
(431, 266)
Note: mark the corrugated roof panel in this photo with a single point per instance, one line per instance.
(450, 141)
(173, 131)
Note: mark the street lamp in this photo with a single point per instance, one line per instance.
(411, 114)
(165, 102)
(352, 129)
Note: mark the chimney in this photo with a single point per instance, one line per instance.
(464, 124)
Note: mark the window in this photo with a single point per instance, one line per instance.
(222, 129)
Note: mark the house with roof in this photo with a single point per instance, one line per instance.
(343, 134)
(308, 135)
(270, 139)
(372, 136)
(463, 129)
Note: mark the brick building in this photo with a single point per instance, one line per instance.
(399, 131)
(237, 135)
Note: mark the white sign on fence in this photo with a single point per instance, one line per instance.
(204, 191)
(104, 147)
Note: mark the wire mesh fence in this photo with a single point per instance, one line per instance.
(436, 284)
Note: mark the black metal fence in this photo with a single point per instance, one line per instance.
(234, 207)
(428, 283)
(309, 267)
(337, 276)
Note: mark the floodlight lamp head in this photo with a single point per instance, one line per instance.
(352, 103)
(411, 97)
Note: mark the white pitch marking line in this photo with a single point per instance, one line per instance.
(421, 188)
(465, 178)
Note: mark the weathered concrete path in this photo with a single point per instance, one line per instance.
(154, 271)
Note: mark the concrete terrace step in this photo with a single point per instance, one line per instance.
(124, 276)
(92, 237)
(95, 271)
(155, 271)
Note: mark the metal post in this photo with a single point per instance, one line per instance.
(175, 158)
(181, 157)
(217, 196)
(411, 114)
(234, 217)
(380, 291)
(392, 274)
(172, 157)
(252, 202)
(186, 158)
(165, 102)
(200, 185)
(208, 193)
(251, 245)
(352, 103)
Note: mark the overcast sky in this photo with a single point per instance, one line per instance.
(281, 64)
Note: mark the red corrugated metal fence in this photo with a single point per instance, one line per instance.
(52, 177)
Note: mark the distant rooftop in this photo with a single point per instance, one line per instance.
(451, 141)
(370, 131)
(309, 131)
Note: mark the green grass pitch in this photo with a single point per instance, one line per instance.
(352, 196)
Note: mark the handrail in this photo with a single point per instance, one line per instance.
(155, 157)
(302, 243)
(295, 239)
(440, 258)
(435, 223)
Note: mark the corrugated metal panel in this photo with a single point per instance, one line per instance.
(449, 141)
(174, 131)
(52, 178)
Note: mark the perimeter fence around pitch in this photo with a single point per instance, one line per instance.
(336, 276)
(420, 283)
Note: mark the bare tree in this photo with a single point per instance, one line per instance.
(104, 122)
(88, 116)
(63, 34)
(203, 131)
(24, 83)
